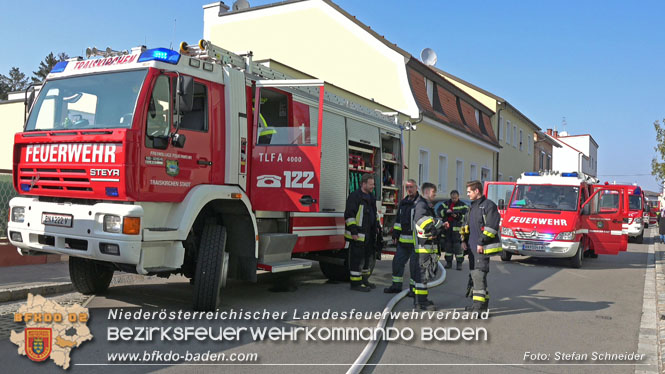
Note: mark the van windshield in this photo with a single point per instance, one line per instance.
(546, 197)
(99, 101)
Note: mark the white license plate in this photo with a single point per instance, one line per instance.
(53, 219)
(533, 247)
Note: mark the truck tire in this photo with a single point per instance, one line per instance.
(506, 256)
(576, 261)
(340, 273)
(211, 265)
(640, 238)
(89, 277)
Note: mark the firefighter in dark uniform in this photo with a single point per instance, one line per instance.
(362, 228)
(481, 235)
(426, 230)
(452, 211)
(403, 238)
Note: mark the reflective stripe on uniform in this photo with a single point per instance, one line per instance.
(423, 222)
(479, 298)
(365, 272)
(492, 248)
(398, 279)
(426, 250)
(408, 239)
(397, 226)
(490, 230)
(265, 130)
(355, 278)
(361, 237)
(489, 234)
(351, 221)
(457, 228)
(359, 215)
(420, 292)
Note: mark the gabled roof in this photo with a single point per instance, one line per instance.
(499, 99)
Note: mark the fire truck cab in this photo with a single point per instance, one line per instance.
(200, 162)
(633, 222)
(561, 215)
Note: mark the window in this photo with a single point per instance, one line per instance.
(514, 136)
(283, 122)
(604, 202)
(197, 118)
(430, 90)
(443, 173)
(510, 178)
(541, 161)
(477, 112)
(485, 174)
(545, 197)
(521, 140)
(159, 112)
(549, 162)
(459, 178)
(474, 172)
(423, 167)
(508, 136)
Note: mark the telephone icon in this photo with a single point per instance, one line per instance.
(270, 181)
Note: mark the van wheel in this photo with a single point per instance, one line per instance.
(576, 261)
(211, 268)
(506, 256)
(640, 239)
(89, 277)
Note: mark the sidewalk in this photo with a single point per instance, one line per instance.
(45, 279)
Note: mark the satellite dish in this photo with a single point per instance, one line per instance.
(240, 5)
(428, 57)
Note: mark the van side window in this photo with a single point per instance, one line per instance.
(283, 122)
(197, 119)
(605, 202)
(159, 113)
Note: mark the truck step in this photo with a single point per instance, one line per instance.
(282, 266)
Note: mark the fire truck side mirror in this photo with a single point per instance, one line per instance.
(178, 140)
(501, 204)
(185, 93)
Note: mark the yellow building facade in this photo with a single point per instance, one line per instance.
(319, 38)
(514, 131)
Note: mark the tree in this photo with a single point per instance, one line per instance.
(46, 66)
(16, 81)
(658, 168)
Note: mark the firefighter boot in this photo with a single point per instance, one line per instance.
(359, 287)
(459, 265)
(367, 283)
(449, 261)
(394, 288)
(477, 306)
(427, 305)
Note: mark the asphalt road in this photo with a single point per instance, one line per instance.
(538, 306)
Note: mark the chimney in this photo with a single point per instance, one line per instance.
(556, 134)
(549, 132)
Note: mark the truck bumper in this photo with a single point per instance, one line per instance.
(555, 249)
(634, 229)
(86, 237)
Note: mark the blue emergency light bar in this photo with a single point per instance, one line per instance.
(574, 175)
(59, 67)
(532, 174)
(160, 54)
(112, 191)
(637, 191)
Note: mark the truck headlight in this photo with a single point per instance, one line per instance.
(638, 220)
(112, 223)
(570, 235)
(18, 214)
(507, 231)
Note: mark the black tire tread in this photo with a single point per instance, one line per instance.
(88, 276)
(207, 278)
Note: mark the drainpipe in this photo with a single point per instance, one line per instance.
(498, 136)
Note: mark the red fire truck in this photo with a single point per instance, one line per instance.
(200, 162)
(633, 223)
(564, 215)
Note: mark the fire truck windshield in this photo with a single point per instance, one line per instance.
(99, 101)
(546, 197)
(635, 202)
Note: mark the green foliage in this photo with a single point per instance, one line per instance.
(46, 66)
(658, 168)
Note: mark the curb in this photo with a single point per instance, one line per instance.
(46, 289)
(660, 297)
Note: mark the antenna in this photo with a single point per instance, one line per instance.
(174, 25)
(428, 56)
(240, 5)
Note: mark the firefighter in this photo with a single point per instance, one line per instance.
(403, 238)
(426, 229)
(362, 228)
(481, 235)
(453, 212)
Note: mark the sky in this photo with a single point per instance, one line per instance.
(599, 64)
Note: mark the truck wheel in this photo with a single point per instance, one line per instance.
(211, 266)
(89, 277)
(646, 225)
(640, 238)
(576, 261)
(506, 256)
